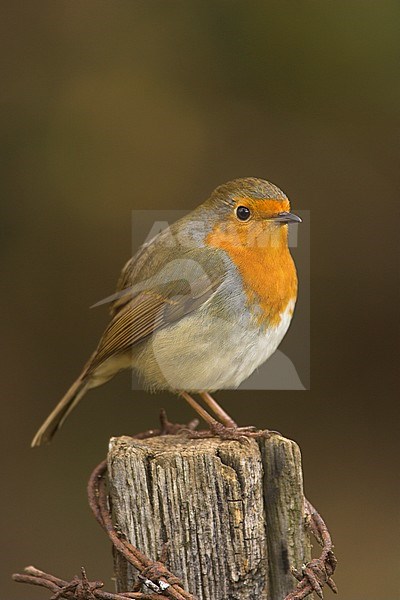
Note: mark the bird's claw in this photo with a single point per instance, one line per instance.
(239, 434)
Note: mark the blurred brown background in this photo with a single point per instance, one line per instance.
(114, 106)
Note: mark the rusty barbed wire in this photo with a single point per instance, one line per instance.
(80, 588)
(150, 572)
(318, 571)
(154, 574)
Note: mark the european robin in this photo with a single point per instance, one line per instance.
(200, 306)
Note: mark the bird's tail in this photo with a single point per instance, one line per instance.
(57, 417)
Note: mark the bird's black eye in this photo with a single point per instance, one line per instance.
(243, 213)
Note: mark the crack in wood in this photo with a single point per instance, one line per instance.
(231, 513)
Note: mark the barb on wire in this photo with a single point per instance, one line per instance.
(154, 575)
(77, 589)
(318, 572)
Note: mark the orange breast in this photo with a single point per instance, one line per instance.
(267, 270)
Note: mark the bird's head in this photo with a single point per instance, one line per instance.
(250, 212)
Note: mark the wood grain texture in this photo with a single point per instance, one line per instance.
(288, 541)
(232, 513)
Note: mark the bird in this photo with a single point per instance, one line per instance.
(201, 305)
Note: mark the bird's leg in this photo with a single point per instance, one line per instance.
(222, 430)
(199, 409)
(226, 420)
(218, 410)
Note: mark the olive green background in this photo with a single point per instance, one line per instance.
(113, 106)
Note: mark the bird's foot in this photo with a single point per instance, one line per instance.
(239, 434)
(230, 431)
(234, 432)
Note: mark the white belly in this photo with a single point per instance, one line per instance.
(220, 355)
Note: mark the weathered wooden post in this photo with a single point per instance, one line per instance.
(231, 513)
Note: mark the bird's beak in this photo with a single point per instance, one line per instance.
(286, 217)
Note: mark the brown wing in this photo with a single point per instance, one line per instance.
(152, 309)
(150, 256)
